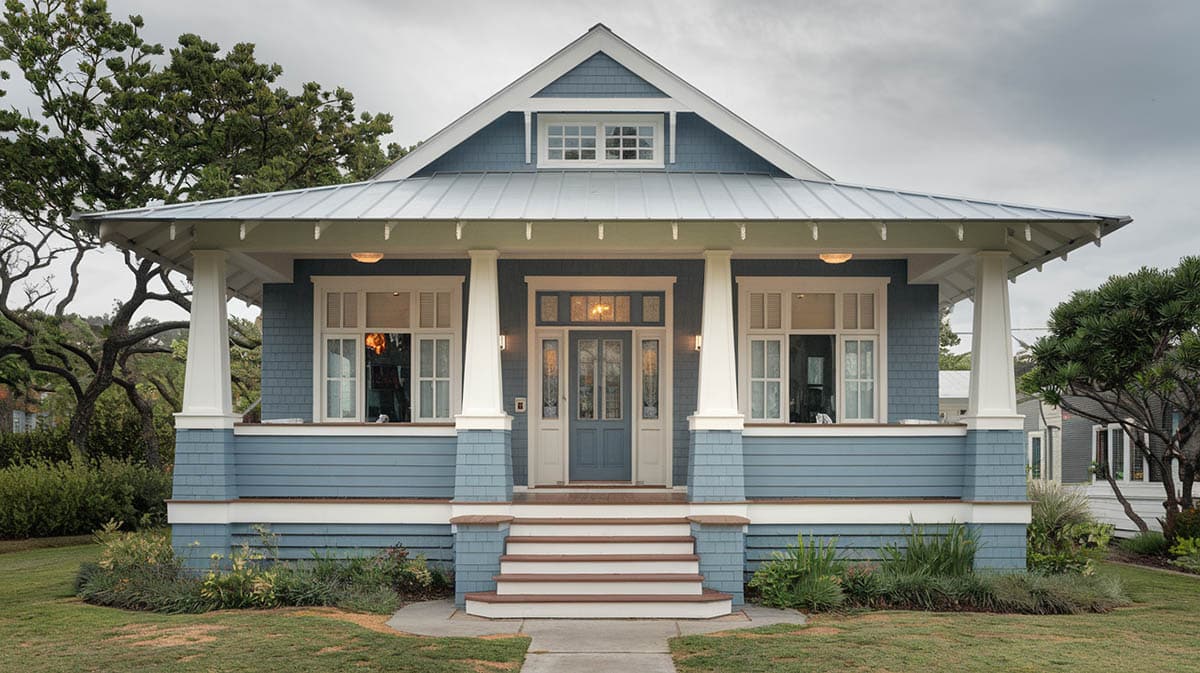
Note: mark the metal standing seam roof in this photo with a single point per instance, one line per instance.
(597, 195)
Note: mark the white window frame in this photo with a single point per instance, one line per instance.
(1127, 462)
(599, 121)
(413, 285)
(1039, 435)
(787, 285)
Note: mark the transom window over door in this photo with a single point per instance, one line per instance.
(828, 334)
(387, 348)
(614, 141)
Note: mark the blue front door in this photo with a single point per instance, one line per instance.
(600, 446)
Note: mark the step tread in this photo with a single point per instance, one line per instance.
(599, 577)
(609, 521)
(709, 596)
(599, 557)
(601, 538)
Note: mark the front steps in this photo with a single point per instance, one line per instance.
(599, 568)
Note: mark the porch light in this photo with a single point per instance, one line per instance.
(835, 257)
(699, 340)
(503, 342)
(367, 257)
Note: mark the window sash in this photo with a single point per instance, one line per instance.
(558, 148)
(767, 372)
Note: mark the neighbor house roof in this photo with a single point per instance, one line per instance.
(954, 384)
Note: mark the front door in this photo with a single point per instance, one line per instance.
(601, 447)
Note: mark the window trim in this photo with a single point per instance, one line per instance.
(1039, 435)
(1127, 463)
(787, 285)
(363, 284)
(599, 120)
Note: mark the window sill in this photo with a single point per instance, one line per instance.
(345, 430)
(854, 430)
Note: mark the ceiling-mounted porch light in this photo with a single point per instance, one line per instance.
(367, 257)
(835, 257)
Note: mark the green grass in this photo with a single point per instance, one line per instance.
(1160, 632)
(10, 546)
(44, 628)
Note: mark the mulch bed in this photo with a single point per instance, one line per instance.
(1118, 555)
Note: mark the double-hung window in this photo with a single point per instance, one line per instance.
(812, 349)
(387, 348)
(591, 140)
(1115, 449)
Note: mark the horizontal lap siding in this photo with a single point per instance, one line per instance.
(300, 541)
(346, 467)
(853, 541)
(853, 467)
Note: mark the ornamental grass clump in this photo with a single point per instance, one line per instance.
(1149, 543)
(805, 576)
(1062, 536)
(948, 554)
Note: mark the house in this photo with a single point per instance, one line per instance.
(954, 392)
(1063, 447)
(602, 345)
(21, 411)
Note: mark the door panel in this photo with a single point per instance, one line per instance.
(600, 402)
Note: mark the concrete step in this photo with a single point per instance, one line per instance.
(534, 526)
(600, 544)
(587, 606)
(549, 564)
(599, 584)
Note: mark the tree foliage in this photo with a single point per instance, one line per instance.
(947, 340)
(120, 122)
(1131, 349)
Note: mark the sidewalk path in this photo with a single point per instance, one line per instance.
(591, 645)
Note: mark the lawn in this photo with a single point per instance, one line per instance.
(44, 628)
(1161, 633)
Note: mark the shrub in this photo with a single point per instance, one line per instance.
(42, 499)
(948, 554)
(139, 571)
(246, 583)
(1186, 551)
(1150, 543)
(1038, 594)
(1062, 535)
(1187, 524)
(804, 576)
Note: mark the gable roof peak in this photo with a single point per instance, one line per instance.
(600, 38)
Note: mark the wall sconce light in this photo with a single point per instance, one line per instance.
(699, 341)
(367, 257)
(503, 342)
(835, 257)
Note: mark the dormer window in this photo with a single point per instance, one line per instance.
(584, 141)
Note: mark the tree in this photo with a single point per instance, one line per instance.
(1128, 353)
(947, 339)
(123, 123)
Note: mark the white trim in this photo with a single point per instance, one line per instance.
(560, 427)
(483, 422)
(556, 104)
(344, 430)
(994, 422)
(599, 121)
(600, 38)
(1039, 435)
(786, 286)
(189, 421)
(817, 512)
(825, 430)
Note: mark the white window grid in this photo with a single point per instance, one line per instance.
(611, 141)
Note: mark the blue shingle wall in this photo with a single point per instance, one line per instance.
(1001, 546)
(722, 551)
(995, 465)
(513, 316)
(715, 471)
(700, 146)
(345, 467)
(854, 467)
(204, 465)
(298, 541)
(599, 76)
(912, 327)
(499, 146)
(477, 551)
(287, 325)
(195, 544)
(483, 469)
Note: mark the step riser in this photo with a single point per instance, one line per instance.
(705, 610)
(598, 548)
(567, 567)
(599, 529)
(599, 588)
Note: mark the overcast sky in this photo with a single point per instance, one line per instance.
(1086, 104)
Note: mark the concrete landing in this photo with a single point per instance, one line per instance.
(593, 645)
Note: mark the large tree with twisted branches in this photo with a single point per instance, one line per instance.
(120, 122)
(1128, 353)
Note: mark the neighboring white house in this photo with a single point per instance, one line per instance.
(954, 390)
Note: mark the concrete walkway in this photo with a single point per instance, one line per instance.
(592, 645)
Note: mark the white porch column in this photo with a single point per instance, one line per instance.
(207, 391)
(483, 398)
(993, 399)
(716, 400)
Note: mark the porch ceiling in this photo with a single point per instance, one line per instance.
(643, 213)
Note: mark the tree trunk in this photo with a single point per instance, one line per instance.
(1187, 475)
(80, 428)
(1133, 516)
(149, 434)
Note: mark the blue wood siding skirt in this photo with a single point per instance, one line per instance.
(299, 541)
(345, 467)
(853, 467)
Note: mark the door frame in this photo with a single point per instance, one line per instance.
(548, 440)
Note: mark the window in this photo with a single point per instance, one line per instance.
(1113, 449)
(833, 367)
(1035, 459)
(578, 141)
(605, 308)
(650, 379)
(388, 349)
(550, 378)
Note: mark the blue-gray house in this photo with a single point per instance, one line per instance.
(603, 346)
